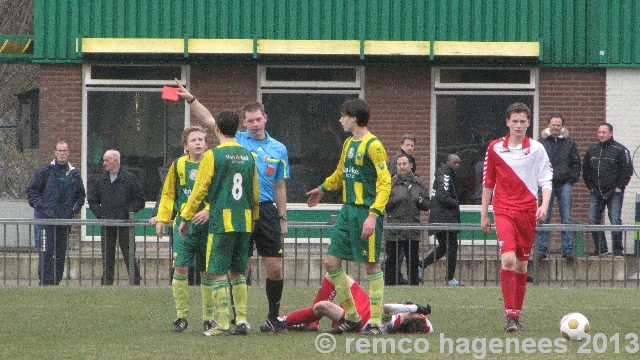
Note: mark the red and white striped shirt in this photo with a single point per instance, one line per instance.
(516, 174)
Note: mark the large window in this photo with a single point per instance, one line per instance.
(470, 110)
(125, 112)
(303, 108)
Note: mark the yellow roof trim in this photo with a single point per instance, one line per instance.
(390, 47)
(131, 45)
(309, 47)
(220, 46)
(477, 48)
(14, 47)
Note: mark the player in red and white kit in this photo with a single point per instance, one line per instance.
(396, 318)
(515, 167)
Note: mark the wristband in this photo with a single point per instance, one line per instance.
(191, 100)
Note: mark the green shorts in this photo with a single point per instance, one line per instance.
(192, 247)
(228, 252)
(345, 237)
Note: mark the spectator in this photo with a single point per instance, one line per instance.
(114, 195)
(56, 191)
(409, 195)
(478, 168)
(607, 169)
(407, 145)
(565, 161)
(445, 208)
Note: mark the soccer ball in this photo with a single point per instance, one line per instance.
(574, 326)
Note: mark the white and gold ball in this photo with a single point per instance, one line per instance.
(574, 326)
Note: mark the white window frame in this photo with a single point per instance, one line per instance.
(89, 84)
(311, 87)
(358, 83)
(439, 88)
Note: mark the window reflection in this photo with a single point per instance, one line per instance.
(144, 128)
(466, 124)
(308, 125)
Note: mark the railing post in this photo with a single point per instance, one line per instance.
(636, 237)
(132, 250)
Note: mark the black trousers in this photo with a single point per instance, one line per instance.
(410, 248)
(447, 245)
(53, 251)
(111, 235)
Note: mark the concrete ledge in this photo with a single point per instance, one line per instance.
(308, 268)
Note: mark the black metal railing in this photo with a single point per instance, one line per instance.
(305, 246)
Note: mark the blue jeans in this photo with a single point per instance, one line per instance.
(614, 207)
(563, 193)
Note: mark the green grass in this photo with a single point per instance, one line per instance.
(133, 322)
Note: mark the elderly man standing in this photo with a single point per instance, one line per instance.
(56, 191)
(114, 195)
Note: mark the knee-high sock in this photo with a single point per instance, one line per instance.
(376, 296)
(326, 292)
(180, 287)
(521, 289)
(274, 294)
(341, 283)
(207, 298)
(508, 285)
(221, 301)
(239, 290)
(302, 316)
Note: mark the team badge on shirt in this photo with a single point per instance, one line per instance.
(193, 174)
(350, 153)
(359, 156)
(270, 170)
(526, 151)
(382, 165)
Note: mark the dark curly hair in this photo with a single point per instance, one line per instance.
(413, 325)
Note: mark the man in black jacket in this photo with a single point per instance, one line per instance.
(565, 160)
(56, 191)
(607, 169)
(445, 208)
(409, 196)
(114, 195)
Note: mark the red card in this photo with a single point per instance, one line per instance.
(169, 93)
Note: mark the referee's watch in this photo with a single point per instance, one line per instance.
(283, 217)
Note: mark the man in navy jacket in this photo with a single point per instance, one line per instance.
(56, 191)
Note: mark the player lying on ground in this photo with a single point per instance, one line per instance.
(397, 318)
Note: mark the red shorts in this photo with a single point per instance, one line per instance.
(516, 232)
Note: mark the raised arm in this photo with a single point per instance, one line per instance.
(199, 111)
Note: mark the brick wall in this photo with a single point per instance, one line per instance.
(580, 96)
(61, 110)
(399, 96)
(221, 87)
(61, 115)
(400, 100)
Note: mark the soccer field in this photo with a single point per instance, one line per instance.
(133, 323)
